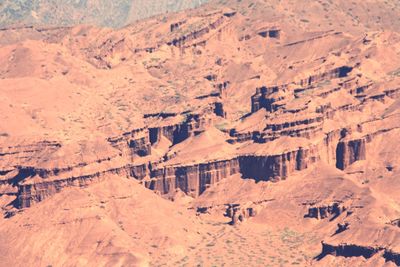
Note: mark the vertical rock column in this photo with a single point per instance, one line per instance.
(349, 151)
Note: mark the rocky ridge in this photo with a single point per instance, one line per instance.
(185, 102)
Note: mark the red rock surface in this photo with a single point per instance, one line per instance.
(239, 133)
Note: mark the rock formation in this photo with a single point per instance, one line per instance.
(280, 122)
(350, 151)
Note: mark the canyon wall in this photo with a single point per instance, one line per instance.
(349, 151)
(192, 179)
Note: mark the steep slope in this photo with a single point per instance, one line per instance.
(113, 222)
(266, 122)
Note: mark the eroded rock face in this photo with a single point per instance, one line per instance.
(239, 213)
(31, 192)
(348, 250)
(193, 179)
(174, 133)
(39, 184)
(352, 250)
(270, 33)
(35, 184)
(306, 128)
(275, 167)
(191, 124)
(262, 99)
(212, 108)
(339, 72)
(175, 26)
(348, 152)
(184, 39)
(133, 143)
(322, 212)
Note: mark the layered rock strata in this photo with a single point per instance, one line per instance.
(353, 250)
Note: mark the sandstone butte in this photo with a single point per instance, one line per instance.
(238, 133)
